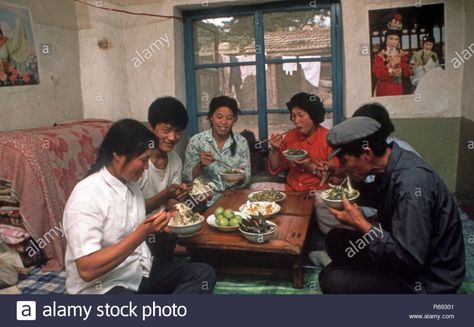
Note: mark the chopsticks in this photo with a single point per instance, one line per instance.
(349, 185)
(325, 177)
(217, 160)
(260, 142)
(152, 218)
(223, 163)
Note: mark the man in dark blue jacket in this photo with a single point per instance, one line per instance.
(417, 245)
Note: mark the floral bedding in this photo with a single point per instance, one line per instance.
(42, 166)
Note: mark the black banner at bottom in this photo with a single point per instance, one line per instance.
(220, 310)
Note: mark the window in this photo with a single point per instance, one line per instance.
(261, 56)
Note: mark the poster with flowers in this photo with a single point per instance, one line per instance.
(407, 46)
(18, 61)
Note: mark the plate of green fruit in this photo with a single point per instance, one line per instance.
(225, 220)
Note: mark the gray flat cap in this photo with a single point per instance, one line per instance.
(350, 130)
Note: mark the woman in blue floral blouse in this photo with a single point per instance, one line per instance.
(218, 143)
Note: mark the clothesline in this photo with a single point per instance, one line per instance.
(311, 70)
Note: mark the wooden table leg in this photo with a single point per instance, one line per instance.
(298, 272)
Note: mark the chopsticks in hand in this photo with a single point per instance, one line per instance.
(259, 143)
(223, 163)
(325, 177)
(217, 160)
(155, 215)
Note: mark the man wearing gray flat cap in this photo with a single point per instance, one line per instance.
(416, 246)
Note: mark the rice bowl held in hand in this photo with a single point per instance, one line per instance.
(233, 175)
(199, 187)
(333, 196)
(295, 154)
(185, 222)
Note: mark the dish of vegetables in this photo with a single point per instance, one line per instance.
(338, 192)
(267, 195)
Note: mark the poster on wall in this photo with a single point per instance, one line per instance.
(407, 45)
(18, 61)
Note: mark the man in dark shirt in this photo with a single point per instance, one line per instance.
(417, 245)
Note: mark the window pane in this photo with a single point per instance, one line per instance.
(238, 82)
(285, 80)
(405, 42)
(248, 122)
(278, 122)
(437, 34)
(297, 33)
(226, 39)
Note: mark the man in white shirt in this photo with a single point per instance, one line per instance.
(161, 182)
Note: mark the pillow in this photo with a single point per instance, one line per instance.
(12, 234)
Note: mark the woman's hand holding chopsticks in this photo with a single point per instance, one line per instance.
(206, 158)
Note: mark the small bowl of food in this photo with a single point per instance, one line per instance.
(267, 195)
(333, 197)
(233, 175)
(258, 230)
(201, 189)
(185, 223)
(264, 208)
(295, 154)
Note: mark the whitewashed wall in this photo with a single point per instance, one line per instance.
(58, 97)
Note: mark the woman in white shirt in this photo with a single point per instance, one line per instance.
(105, 226)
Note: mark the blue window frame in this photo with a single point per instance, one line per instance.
(208, 68)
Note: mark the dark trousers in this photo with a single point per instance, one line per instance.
(175, 278)
(169, 277)
(162, 246)
(179, 278)
(358, 274)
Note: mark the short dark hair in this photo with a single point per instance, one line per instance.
(168, 110)
(310, 103)
(376, 142)
(225, 101)
(126, 137)
(377, 112)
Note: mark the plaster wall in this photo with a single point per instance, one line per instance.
(58, 97)
(103, 70)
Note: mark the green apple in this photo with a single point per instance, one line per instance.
(239, 218)
(234, 222)
(219, 211)
(229, 213)
(223, 222)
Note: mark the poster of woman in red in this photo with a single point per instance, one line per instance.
(396, 35)
(391, 63)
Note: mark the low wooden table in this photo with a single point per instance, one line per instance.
(232, 253)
